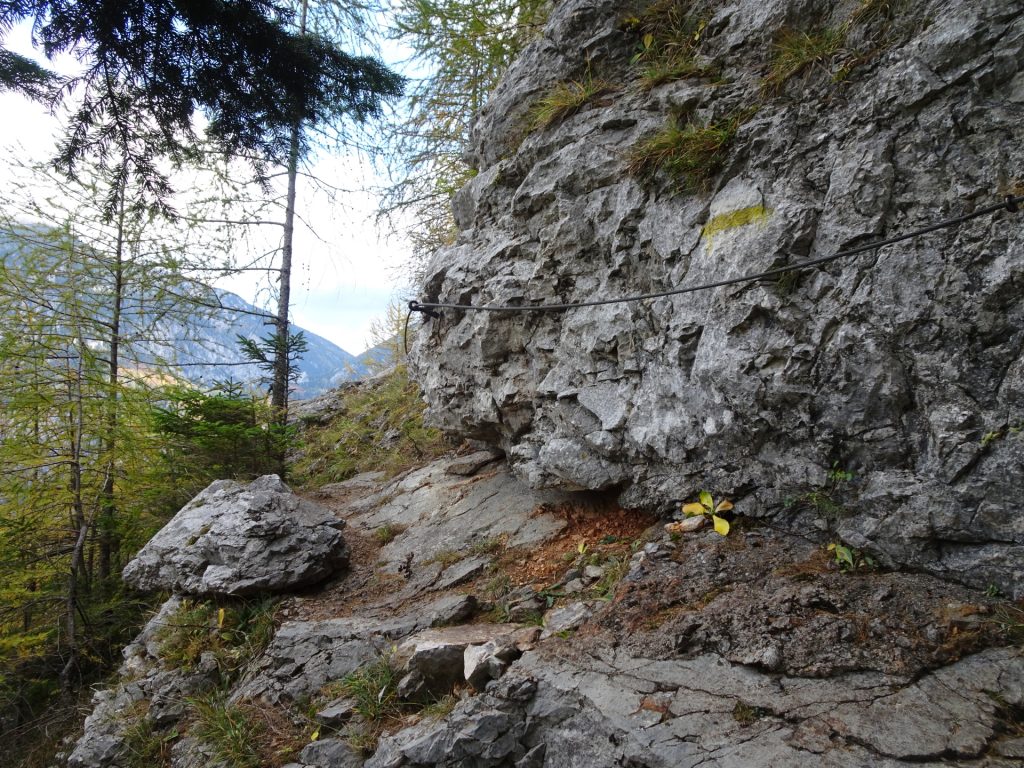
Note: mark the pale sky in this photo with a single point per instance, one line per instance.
(342, 280)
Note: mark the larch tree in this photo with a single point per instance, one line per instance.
(464, 47)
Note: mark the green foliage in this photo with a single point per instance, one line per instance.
(747, 714)
(234, 631)
(708, 508)
(379, 428)
(148, 68)
(231, 731)
(386, 533)
(465, 46)
(798, 50)
(849, 559)
(671, 33)
(690, 154)
(615, 568)
(223, 433)
(1010, 620)
(565, 99)
(146, 746)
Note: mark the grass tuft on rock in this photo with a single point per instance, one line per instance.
(564, 100)
(691, 154)
(797, 51)
(231, 731)
(234, 632)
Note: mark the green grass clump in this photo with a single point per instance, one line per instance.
(670, 34)
(379, 428)
(145, 746)
(663, 70)
(691, 154)
(387, 533)
(797, 51)
(563, 100)
(235, 632)
(231, 732)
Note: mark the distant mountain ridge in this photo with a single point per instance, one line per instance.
(203, 347)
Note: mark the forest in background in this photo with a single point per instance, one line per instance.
(99, 443)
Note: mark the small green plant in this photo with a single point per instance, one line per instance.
(747, 714)
(447, 557)
(837, 475)
(990, 437)
(147, 747)
(691, 154)
(564, 100)
(797, 51)
(1010, 620)
(707, 507)
(234, 632)
(614, 570)
(849, 559)
(387, 533)
(670, 34)
(373, 687)
(489, 546)
(231, 731)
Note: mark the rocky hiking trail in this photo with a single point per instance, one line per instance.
(501, 626)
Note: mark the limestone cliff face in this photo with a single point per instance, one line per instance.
(903, 367)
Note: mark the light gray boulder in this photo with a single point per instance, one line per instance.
(237, 539)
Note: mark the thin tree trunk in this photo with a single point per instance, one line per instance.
(108, 503)
(81, 524)
(282, 363)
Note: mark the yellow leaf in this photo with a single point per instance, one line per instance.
(314, 735)
(648, 40)
(220, 619)
(723, 506)
(707, 500)
(721, 525)
(693, 509)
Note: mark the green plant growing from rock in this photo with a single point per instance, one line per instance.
(690, 154)
(564, 100)
(797, 51)
(670, 35)
(707, 507)
(145, 745)
(849, 559)
(387, 533)
(229, 730)
(234, 632)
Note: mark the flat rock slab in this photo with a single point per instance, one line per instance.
(444, 515)
(625, 710)
(236, 539)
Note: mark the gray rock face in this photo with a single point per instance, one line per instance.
(904, 368)
(235, 539)
(625, 710)
(147, 689)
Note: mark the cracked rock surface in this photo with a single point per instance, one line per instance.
(903, 366)
(742, 651)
